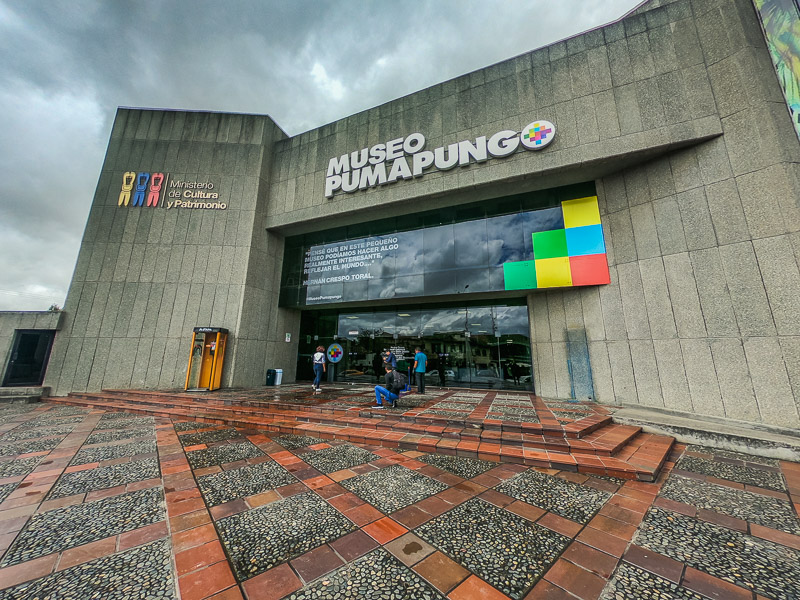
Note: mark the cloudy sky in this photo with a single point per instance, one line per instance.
(66, 65)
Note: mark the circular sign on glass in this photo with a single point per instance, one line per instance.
(537, 135)
(335, 353)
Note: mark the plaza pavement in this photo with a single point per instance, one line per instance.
(114, 505)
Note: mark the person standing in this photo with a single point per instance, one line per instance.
(394, 385)
(319, 367)
(420, 362)
(389, 359)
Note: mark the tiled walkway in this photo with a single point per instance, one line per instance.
(109, 505)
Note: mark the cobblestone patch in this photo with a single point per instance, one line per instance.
(105, 477)
(466, 399)
(764, 510)
(16, 448)
(65, 411)
(70, 526)
(762, 460)
(262, 538)
(219, 488)
(101, 453)
(574, 415)
(143, 573)
(336, 458)
(293, 442)
(456, 415)
(129, 422)
(10, 411)
(738, 473)
(509, 413)
(512, 397)
(6, 489)
(393, 488)
(557, 495)
(181, 426)
(770, 569)
(376, 575)
(458, 465)
(114, 416)
(526, 402)
(224, 453)
(459, 406)
(46, 421)
(632, 583)
(423, 397)
(209, 437)
(502, 548)
(20, 466)
(411, 401)
(31, 433)
(114, 435)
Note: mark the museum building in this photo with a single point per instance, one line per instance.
(613, 217)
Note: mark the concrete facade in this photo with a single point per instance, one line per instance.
(13, 321)
(674, 111)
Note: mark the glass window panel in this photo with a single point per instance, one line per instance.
(439, 248)
(409, 254)
(408, 323)
(475, 280)
(437, 284)
(471, 247)
(410, 285)
(381, 289)
(505, 239)
(352, 325)
(355, 291)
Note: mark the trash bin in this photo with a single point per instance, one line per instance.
(278, 376)
(271, 376)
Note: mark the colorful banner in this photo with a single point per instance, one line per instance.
(780, 20)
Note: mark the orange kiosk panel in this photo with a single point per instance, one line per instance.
(206, 358)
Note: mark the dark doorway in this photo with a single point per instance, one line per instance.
(29, 355)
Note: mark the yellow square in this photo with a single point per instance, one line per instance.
(580, 212)
(553, 272)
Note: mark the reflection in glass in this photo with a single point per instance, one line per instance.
(471, 245)
(439, 248)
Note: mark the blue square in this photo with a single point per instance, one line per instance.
(585, 240)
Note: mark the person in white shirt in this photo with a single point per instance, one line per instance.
(319, 367)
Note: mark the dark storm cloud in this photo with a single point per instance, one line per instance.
(67, 65)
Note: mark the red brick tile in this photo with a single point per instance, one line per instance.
(613, 527)
(143, 535)
(714, 588)
(434, 506)
(262, 499)
(411, 517)
(560, 524)
(454, 496)
(184, 522)
(591, 559)
(33, 569)
(192, 538)
(648, 560)
(476, 589)
(410, 549)
(345, 501)
(229, 508)
(87, 552)
(361, 515)
(544, 590)
(442, 572)
(780, 537)
(525, 510)
(384, 530)
(316, 563)
(720, 519)
(232, 593)
(678, 507)
(206, 582)
(272, 585)
(575, 580)
(602, 541)
(354, 545)
(198, 557)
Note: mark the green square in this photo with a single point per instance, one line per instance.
(550, 244)
(519, 275)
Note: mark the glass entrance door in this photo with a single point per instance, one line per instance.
(29, 355)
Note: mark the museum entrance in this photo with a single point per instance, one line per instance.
(484, 347)
(30, 352)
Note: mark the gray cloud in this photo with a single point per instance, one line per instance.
(67, 65)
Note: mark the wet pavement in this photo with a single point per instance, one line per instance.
(110, 505)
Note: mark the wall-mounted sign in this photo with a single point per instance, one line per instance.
(366, 168)
(335, 353)
(154, 189)
(288, 337)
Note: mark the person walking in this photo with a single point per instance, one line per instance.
(420, 362)
(319, 367)
(395, 382)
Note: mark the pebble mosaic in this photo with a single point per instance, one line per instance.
(527, 415)
(143, 573)
(259, 539)
(191, 426)
(15, 448)
(70, 526)
(632, 583)
(101, 478)
(293, 442)
(377, 575)
(114, 435)
(224, 453)
(466, 399)
(562, 497)
(46, 421)
(336, 458)
(393, 488)
(64, 411)
(770, 569)
(512, 402)
(738, 473)
(763, 460)
(456, 415)
(574, 415)
(126, 422)
(219, 488)
(10, 411)
(509, 552)
(31, 433)
(20, 466)
(209, 437)
(459, 406)
(458, 465)
(764, 510)
(101, 453)
(6, 489)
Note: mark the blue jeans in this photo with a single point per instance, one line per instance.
(317, 375)
(382, 391)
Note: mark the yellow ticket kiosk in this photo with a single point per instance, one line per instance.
(206, 358)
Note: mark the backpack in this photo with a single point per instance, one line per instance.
(399, 381)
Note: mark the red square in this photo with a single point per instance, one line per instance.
(591, 269)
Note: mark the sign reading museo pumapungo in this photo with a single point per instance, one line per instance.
(158, 189)
(366, 168)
